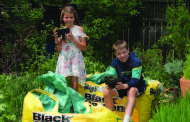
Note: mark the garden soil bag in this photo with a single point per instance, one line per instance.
(34, 111)
(59, 103)
(93, 92)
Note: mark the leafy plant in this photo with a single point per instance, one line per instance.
(175, 70)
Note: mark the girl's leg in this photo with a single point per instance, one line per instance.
(108, 94)
(74, 83)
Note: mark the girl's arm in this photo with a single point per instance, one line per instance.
(57, 43)
(81, 44)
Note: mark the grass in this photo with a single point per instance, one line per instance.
(173, 112)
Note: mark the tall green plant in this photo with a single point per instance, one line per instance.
(178, 26)
(103, 19)
(172, 112)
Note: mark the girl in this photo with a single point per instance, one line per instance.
(70, 61)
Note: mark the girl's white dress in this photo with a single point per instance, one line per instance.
(70, 61)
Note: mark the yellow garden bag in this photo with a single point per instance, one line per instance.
(34, 111)
(94, 94)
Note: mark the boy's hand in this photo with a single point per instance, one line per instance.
(121, 86)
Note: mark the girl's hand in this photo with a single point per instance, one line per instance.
(55, 33)
(70, 36)
(121, 86)
(56, 38)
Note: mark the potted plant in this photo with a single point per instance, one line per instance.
(185, 80)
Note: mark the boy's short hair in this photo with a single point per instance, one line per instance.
(120, 44)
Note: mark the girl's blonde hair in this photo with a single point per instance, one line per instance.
(120, 44)
(68, 9)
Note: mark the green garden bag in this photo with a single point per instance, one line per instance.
(98, 78)
(70, 101)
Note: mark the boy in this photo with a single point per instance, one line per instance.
(129, 70)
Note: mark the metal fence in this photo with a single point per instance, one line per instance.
(148, 26)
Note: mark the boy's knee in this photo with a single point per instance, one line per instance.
(133, 91)
(110, 92)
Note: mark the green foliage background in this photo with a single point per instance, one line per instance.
(103, 19)
(178, 29)
(12, 3)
